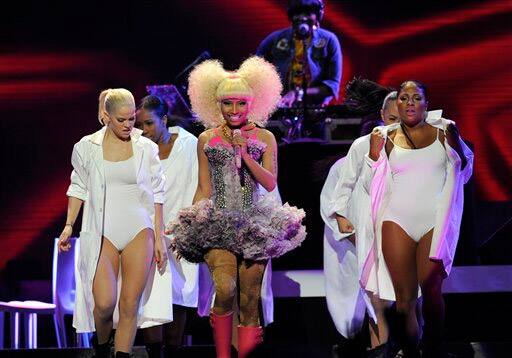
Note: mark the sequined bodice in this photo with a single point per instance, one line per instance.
(232, 188)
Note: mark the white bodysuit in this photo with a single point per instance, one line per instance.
(418, 177)
(125, 216)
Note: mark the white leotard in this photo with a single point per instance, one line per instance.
(418, 178)
(125, 215)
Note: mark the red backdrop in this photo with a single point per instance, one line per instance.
(55, 62)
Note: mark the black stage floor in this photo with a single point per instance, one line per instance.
(457, 349)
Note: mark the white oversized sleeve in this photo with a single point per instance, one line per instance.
(79, 176)
(349, 175)
(157, 175)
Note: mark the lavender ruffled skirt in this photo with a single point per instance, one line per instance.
(266, 230)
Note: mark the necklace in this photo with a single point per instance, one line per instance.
(407, 136)
(228, 132)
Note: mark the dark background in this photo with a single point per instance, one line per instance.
(55, 58)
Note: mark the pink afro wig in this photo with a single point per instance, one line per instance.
(256, 79)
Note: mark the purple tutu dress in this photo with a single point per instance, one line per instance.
(238, 217)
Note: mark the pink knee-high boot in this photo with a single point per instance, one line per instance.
(222, 326)
(248, 339)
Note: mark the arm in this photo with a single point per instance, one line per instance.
(377, 142)
(74, 205)
(204, 188)
(320, 92)
(317, 93)
(265, 174)
(350, 174)
(158, 184)
(265, 47)
(193, 174)
(77, 193)
(333, 73)
(454, 140)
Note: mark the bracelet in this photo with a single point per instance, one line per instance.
(69, 225)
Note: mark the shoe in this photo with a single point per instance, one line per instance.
(102, 350)
(170, 351)
(222, 326)
(248, 339)
(154, 350)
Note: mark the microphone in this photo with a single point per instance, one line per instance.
(238, 153)
(303, 29)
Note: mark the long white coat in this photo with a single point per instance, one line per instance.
(88, 184)
(344, 193)
(181, 175)
(375, 276)
(180, 277)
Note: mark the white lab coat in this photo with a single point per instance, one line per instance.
(88, 184)
(207, 287)
(180, 277)
(344, 193)
(181, 173)
(375, 276)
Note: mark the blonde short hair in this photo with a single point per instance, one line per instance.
(256, 80)
(113, 98)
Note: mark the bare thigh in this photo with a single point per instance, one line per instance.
(430, 272)
(250, 277)
(400, 254)
(104, 286)
(136, 262)
(223, 267)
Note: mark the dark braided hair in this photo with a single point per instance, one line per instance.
(154, 104)
(364, 98)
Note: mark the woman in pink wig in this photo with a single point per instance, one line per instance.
(232, 226)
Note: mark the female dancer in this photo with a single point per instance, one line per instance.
(419, 169)
(231, 226)
(178, 154)
(118, 175)
(344, 204)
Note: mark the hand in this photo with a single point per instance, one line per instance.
(453, 130)
(64, 244)
(454, 139)
(160, 251)
(344, 225)
(288, 100)
(177, 255)
(240, 141)
(376, 143)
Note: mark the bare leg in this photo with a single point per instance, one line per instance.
(153, 341)
(152, 334)
(431, 275)
(223, 267)
(400, 254)
(379, 331)
(104, 290)
(251, 276)
(173, 331)
(136, 261)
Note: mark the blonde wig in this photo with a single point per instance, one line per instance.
(113, 98)
(256, 80)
